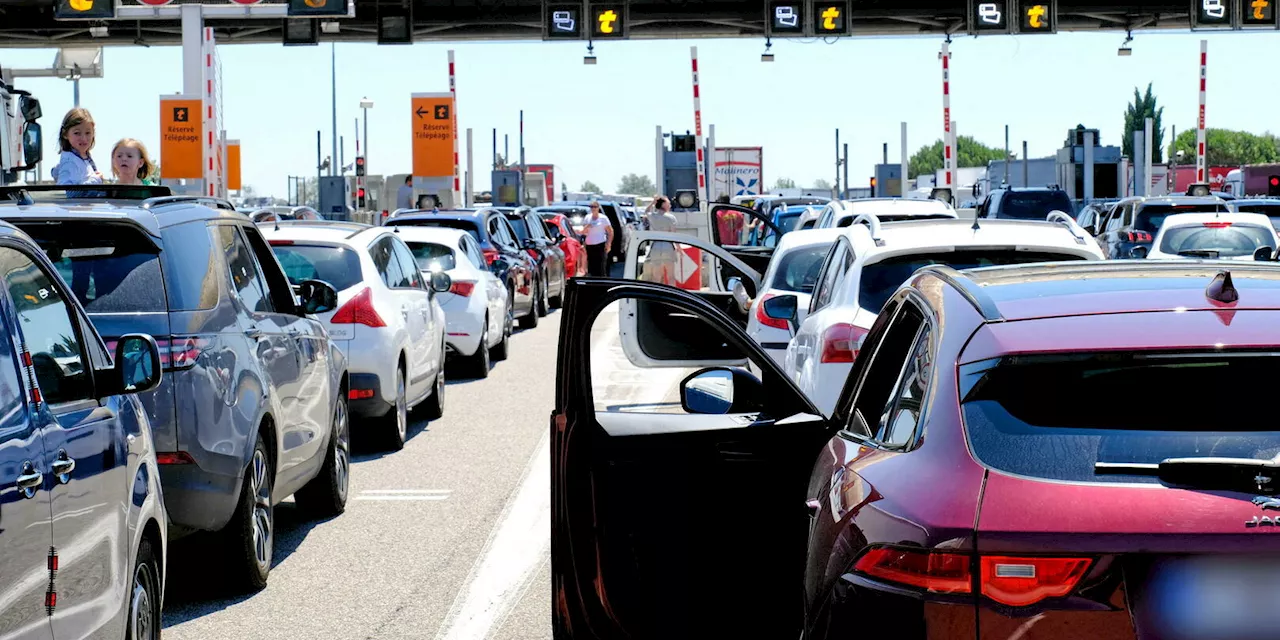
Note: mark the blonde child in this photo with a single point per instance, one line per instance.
(130, 162)
(75, 165)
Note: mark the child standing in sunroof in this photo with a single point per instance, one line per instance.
(75, 165)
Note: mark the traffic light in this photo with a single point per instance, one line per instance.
(360, 198)
(873, 186)
(1273, 186)
(360, 166)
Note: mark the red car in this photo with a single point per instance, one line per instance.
(1072, 450)
(575, 253)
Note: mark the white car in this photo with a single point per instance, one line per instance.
(1215, 236)
(841, 213)
(870, 260)
(478, 310)
(387, 320)
(792, 271)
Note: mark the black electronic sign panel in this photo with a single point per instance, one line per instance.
(989, 16)
(317, 8)
(1037, 17)
(562, 21)
(786, 18)
(608, 21)
(831, 18)
(1259, 14)
(85, 10)
(1212, 14)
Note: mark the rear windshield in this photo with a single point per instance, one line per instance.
(1151, 217)
(1217, 241)
(470, 226)
(1033, 205)
(112, 268)
(798, 270)
(433, 257)
(787, 221)
(521, 229)
(1053, 417)
(339, 266)
(881, 279)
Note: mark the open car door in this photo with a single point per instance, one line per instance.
(745, 233)
(678, 504)
(691, 263)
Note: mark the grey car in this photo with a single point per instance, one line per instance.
(252, 407)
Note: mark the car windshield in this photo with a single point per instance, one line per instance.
(1024, 414)
(1225, 241)
(433, 257)
(788, 220)
(339, 266)
(798, 270)
(1033, 205)
(470, 226)
(112, 268)
(1151, 217)
(880, 279)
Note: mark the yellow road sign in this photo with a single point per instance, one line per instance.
(181, 129)
(432, 122)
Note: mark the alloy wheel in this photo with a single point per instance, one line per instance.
(402, 407)
(342, 448)
(261, 488)
(142, 605)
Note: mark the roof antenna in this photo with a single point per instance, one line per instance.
(1221, 289)
(975, 226)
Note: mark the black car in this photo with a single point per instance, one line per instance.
(621, 230)
(1025, 204)
(531, 232)
(1128, 230)
(1269, 207)
(501, 250)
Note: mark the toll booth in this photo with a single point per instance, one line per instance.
(334, 196)
(888, 181)
(1074, 161)
(507, 188)
(680, 164)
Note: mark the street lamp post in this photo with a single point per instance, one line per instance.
(366, 104)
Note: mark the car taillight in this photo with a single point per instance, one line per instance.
(462, 287)
(840, 343)
(490, 255)
(1137, 236)
(765, 319)
(1217, 225)
(359, 310)
(176, 457)
(1012, 581)
(280, 243)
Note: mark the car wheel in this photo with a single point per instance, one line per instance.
(144, 596)
(397, 419)
(530, 320)
(542, 304)
(251, 533)
(478, 363)
(326, 495)
(499, 351)
(435, 404)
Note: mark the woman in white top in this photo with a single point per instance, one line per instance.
(599, 240)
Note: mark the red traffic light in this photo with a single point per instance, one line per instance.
(360, 192)
(1275, 181)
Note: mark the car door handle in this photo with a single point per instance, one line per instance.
(404, 311)
(253, 333)
(63, 466)
(29, 480)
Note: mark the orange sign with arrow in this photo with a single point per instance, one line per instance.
(432, 123)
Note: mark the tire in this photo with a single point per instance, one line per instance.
(143, 597)
(477, 364)
(530, 321)
(250, 536)
(499, 351)
(396, 422)
(540, 303)
(433, 408)
(326, 495)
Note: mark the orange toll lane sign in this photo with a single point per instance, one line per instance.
(433, 131)
(233, 165)
(181, 128)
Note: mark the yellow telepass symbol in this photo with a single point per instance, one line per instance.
(829, 17)
(606, 21)
(1036, 14)
(315, 4)
(81, 5)
(1258, 7)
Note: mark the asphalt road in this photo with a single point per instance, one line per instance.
(447, 539)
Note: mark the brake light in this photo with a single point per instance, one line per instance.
(176, 457)
(490, 255)
(1217, 225)
(359, 310)
(840, 343)
(280, 243)
(1011, 581)
(1137, 236)
(462, 287)
(765, 319)
(359, 394)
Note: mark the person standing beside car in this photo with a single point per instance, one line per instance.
(404, 197)
(659, 265)
(598, 232)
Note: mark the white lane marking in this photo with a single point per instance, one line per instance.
(404, 494)
(402, 497)
(408, 491)
(516, 549)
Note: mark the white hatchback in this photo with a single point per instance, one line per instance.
(793, 270)
(1214, 236)
(476, 306)
(841, 213)
(869, 261)
(387, 321)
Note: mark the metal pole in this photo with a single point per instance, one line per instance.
(453, 89)
(471, 172)
(1026, 166)
(1006, 154)
(506, 150)
(837, 160)
(1088, 166)
(1146, 153)
(658, 178)
(697, 126)
(75, 89)
(333, 66)
(1172, 160)
(1201, 164)
(948, 152)
(342, 155)
(318, 160)
(710, 152)
(366, 139)
(495, 148)
(844, 194)
(905, 160)
(523, 170)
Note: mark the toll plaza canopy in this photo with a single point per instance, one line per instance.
(36, 23)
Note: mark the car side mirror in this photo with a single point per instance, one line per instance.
(783, 308)
(136, 368)
(721, 391)
(1264, 254)
(316, 296)
(1138, 252)
(440, 282)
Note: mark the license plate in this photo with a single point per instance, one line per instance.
(1220, 598)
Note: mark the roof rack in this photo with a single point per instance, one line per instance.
(208, 201)
(975, 294)
(1058, 217)
(873, 223)
(22, 194)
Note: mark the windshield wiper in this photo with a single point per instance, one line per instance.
(1199, 253)
(1235, 474)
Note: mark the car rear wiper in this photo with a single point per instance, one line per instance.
(1199, 253)
(1235, 474)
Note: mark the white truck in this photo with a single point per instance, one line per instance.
(21, 144)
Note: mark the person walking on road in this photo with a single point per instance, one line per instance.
(599, 240)
(659, 265)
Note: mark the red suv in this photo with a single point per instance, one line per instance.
(1076, 450)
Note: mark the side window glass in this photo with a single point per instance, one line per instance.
(384, 259)
(473, 252)
(872, 405)
(48, 332)
(274, 281)
(830, 273)
(408, 265)
(899, 424)
(535, 226)
(245, 279)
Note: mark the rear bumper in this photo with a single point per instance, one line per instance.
(463, 326)
(196, 498)
(374, 407)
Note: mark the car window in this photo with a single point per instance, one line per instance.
(339, 266)
(1229, 241)
(874, 400)
(13, 404)
(1033, 205)
(384, 260)
(192, 273)
(408, 264)
(1151, 217)
(112, 268)
(246, 281)
(273, 278)
(520, 227)
(798, 270)
(431, 256)
(470, 226)
(508, 234)
(831, 273)
(532, 221)
(898, 425)
(48, 331)
(880, 279)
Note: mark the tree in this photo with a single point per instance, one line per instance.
(590, 187)
(784, 183)
(1143, 107)
(1225, 148)
(636, 185)
(821, 185)
(969, 153)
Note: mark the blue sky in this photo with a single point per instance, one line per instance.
(597, 122)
